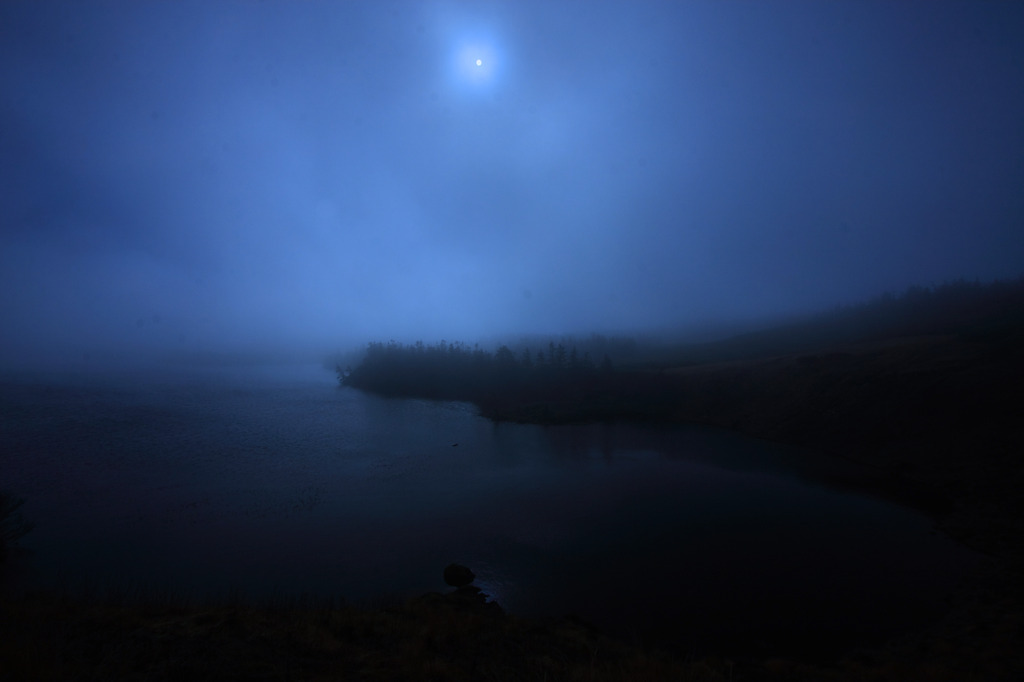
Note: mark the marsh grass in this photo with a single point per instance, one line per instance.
(157, 637)
(148, 635)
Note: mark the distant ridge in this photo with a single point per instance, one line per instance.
(968, 309)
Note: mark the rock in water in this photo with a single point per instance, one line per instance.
(458, 575)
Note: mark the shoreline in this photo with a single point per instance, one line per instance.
(934, 465)
(937, 416)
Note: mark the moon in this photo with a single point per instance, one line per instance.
(475, 65)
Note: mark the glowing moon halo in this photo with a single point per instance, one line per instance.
(475, 65)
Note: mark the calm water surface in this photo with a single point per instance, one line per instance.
(273, 481)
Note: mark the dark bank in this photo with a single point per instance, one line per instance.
(671, 539)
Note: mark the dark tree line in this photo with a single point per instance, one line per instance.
(556, 382)
(553, 384)
(959, 307)
(457, 371)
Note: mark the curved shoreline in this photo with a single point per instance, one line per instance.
(959, 443)
(936, 416)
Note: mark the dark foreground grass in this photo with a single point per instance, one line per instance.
(435, 637)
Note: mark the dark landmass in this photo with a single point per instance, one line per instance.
(925, 388)
(950, 330)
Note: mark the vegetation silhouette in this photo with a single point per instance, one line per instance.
(559, 383)
(968, 309)
(13, 525)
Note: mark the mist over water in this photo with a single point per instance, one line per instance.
(272, 481)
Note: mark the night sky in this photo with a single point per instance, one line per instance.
(191, 176)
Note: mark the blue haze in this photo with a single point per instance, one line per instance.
(227, 176)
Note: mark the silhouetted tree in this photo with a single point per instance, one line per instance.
(560, 356)
(504, 357)
(12, 524)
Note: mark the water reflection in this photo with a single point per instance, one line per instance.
(282, 483)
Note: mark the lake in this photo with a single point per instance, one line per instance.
(273, 481)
